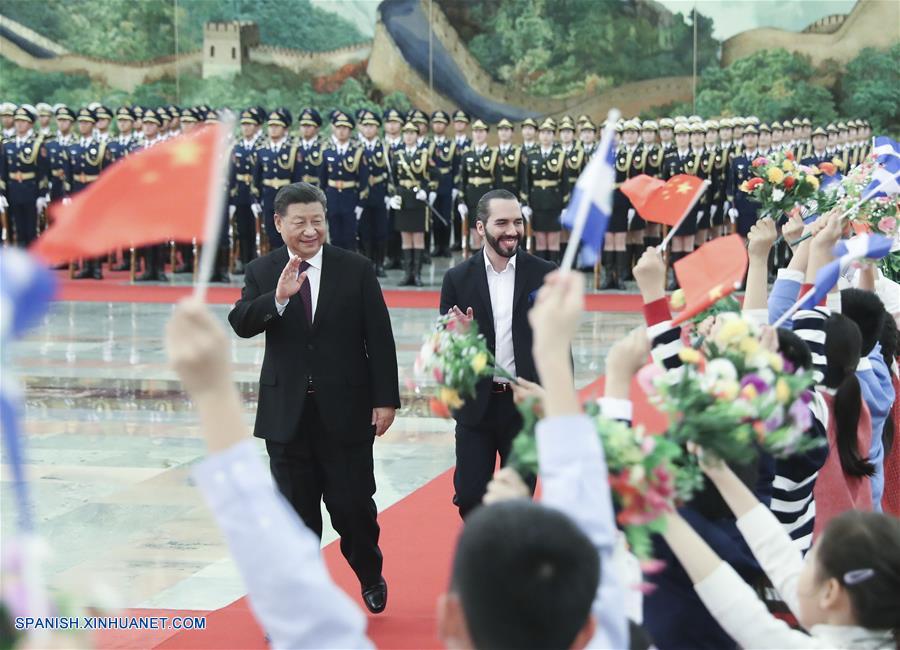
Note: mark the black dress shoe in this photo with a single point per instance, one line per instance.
(84, 274)
(375, 597)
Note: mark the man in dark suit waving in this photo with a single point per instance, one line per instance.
(328, 383)
(494, 287)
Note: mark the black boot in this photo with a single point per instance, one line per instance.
(418, 258)
(553, 256)
(673, 283)
(633, 253)
(97, 270)
(125, 264)
(623, 267)
(220, 268)
(86, 272)
(407, 257)
(540, 252)
(379, 260)
(609, 277)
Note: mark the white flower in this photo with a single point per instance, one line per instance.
(777, 194)
(721, 369)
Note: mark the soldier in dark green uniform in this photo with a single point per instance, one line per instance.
(529, 136)
(479, 174)
(411, 218)
(547, 182)
(512, 168)
(443, 161)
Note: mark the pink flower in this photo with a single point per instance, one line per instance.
(887, 225)
(438, 375)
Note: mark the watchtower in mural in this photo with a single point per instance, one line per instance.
(226, 47)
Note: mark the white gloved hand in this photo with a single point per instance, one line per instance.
(42, 202)
(387, 202)
(256, 209)
(700, 214)
(3, 202)
(630, 214)
(463, 210)
(396, 201)
(733, 214)
(421, 195)
(726, 207)
(454, 194)
(431, 197)
(231, 210)
(712, 211)
(358, 210)
(527, 212)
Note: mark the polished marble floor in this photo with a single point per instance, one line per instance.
(111, 440)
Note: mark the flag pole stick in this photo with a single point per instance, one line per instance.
(578, 224)
(671, 233)
(790, 312)
(215, 203)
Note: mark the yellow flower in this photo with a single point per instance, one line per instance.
(726, 390)
(749, 392)
(733, 330)
(813, 181)
(787, 166)
(776, 361)
(450, 397)
(479, 361)
(775, 175)
(744, 187)
(837, 162)
(689, 355)
(749, 346)
(677, 299)
(782, 391)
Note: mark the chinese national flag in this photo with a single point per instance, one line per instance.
(710, 273)
(662, 202)
(151, 196)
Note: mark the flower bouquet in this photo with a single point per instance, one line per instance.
(456, 358)
(880, 214)
(779, 183)
(733, 395)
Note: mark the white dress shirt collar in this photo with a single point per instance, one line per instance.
(487, 263)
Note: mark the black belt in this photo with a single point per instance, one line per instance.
(498, 387)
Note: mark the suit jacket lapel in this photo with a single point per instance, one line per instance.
(328, 283)
(294, 310)
(521, 281)
(486, 324)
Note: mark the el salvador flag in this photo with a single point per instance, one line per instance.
(591, 204)
(26, 289)
(884, 183)
(873, 247)
(885, 148)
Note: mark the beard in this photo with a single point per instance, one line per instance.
(494, 243)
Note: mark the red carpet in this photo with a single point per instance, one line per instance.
(116, 287)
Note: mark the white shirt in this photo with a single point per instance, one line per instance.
(501, 287)
(314, 277)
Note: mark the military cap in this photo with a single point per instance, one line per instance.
(189, 116)
(680, 119)
(359, 113)
(711, 125)
(440, 117)
(44, 109)
(202, 111)
(753, 120)
(666, 123)
(751, 128)
(649, 125)
(212, 117)
(726, 123)
(777, 126)
(819, 131)
(796, 122)
(409, 126)
(739, 121)
(682, 127)
(162, 113)
(588, 125)
(419, 117)
(631, 125)
(103, 113)
(279, 117)
(340, 118)
(64, 112)
(459, 115)
(694, 119)
(865, 123)
(391, 115)
(765, 128)
(94, 106)
(505, 124)
(248, 116)
(584, 117)
(841, 126)
(549, 124)
(309, 117)
(368, 117)
(124, 113)
(25, 112)
(567, 123)
(146, 114)
(174, 111)
(480, 124)
(805, 122)
(831, 128)
(7, 109)
(529, 121)
(138, 112)
(698, 127)
(851, 124)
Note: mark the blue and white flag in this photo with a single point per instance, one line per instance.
(884, 183)
(590, 207)
(873, 247)
(884, 148)
(26, 289)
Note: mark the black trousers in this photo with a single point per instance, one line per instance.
(246, 232)
(23, 222)
(314, 466)
(443, 204)
(477, 448)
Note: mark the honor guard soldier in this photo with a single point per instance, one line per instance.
(119, 147)
(443, 170)
(7, 110)
(478, 174)
(24, 172)
(463, 142)
(547, 182)
(681, 160)
(419, 118)
(373, 226)
(310, 146)
(844, 150)
(652, 153)
(88, 157)
(221, 259)
(744, 210)
(104, 120)
(45, 117)
(765, 139)
(411, 218)
(718, 179)
(624, 221)
(777, 137)
(243, 193)
(174, 120)
(345, 179)
(666, 134)
(705, 160)
(865, 138)
(188, 120)
(832, 147)
(512, 171)
(278, 163)
(152, 256)
(393, 140)
(588, 139)
(529, 136)
(58, 153)
(818, 154)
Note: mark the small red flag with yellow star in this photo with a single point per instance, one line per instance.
(710, 273)
(151, 196)
(662, 202)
